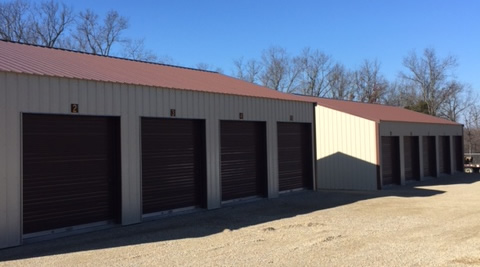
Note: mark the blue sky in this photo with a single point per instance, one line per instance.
(216, 32)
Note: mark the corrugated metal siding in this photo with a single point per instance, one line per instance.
(346, 151)
(40, 94)
(4, 229)
(12, 163)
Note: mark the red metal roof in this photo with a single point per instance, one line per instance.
(29, 59)
(377, 112)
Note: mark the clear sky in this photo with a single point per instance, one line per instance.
(216, 32)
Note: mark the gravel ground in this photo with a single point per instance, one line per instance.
(431, 223)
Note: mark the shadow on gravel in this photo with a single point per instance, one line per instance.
(204, 223)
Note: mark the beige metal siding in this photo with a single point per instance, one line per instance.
(346, 151)
(21, 93)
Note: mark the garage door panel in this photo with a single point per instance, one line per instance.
(173, 171)
(70, 171)
(429, 156)
(444, 154)
(291, 155)
(390, 160)
(294, 155)
(57, 168)
(411, 158)
(243, 159)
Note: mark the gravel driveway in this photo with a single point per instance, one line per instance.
(432, 223)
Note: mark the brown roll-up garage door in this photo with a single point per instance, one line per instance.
(294, 156)
(71, 171)
(390, 160)
(411, 157)
(429, 158)
(458, 153)
(444, 154)
(243, 159)
(173, 164)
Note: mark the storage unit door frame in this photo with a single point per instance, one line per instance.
(71, 171)
(411, 157)
(390, 160)
(243, 159)
(294, 156)
(429, 158)
(173, 164)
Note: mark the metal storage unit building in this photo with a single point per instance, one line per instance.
(367, 146)
(140, 121)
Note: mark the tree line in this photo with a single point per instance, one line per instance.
(427, 84)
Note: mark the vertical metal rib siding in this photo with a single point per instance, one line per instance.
(12, 159)
(9, 155)
(337, 147)
(4, 229)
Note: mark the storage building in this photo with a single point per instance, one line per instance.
(88, 141)
(369, 146)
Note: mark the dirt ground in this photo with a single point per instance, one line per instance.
(431, 223)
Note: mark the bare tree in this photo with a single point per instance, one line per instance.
(96, 38)
(315, 70)
(368, 83)
(431, 77)
(394, 95)
(279, 72)
(248, 71)
(472, 129)
(15, 22)
(50, 20)
(208, 67)
(135, 49)
(460, 99)
(339, 80)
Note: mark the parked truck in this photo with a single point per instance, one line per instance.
(471, 162)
